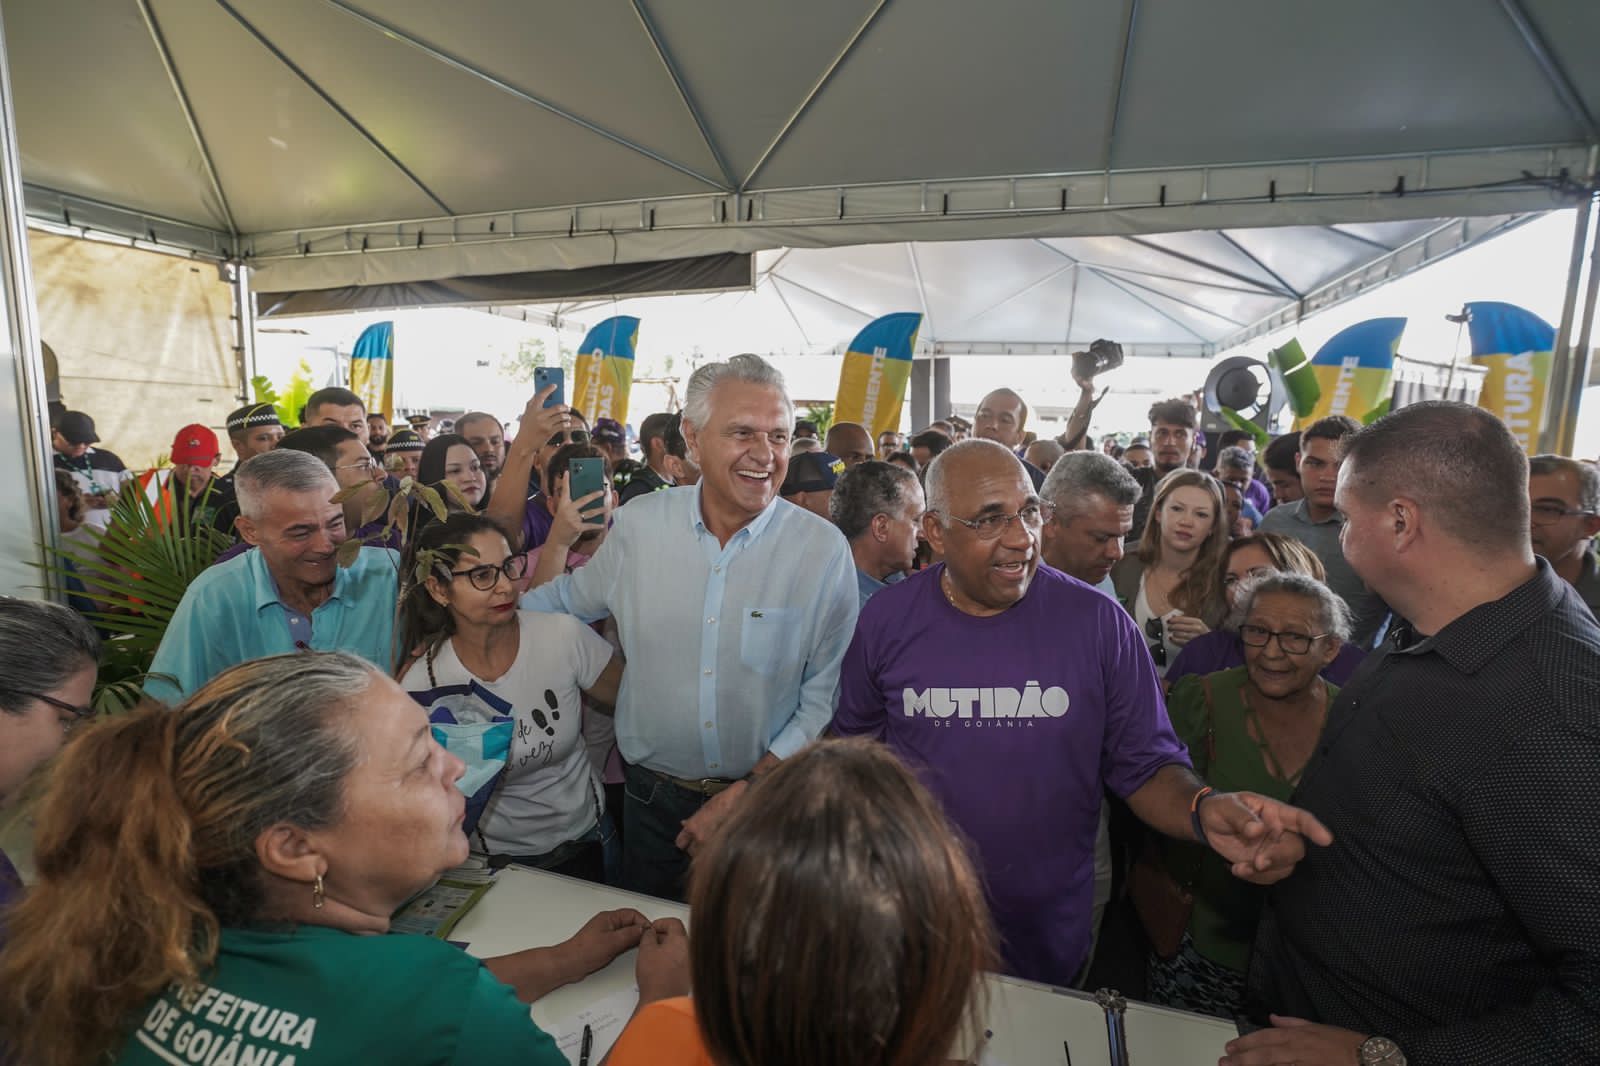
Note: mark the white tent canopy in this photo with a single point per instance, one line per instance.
(1177, 294)
(336, 143)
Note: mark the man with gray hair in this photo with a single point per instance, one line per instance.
(768, 587)
(1565, 514)
(291, 593)
(1093, 496)
(878, 507)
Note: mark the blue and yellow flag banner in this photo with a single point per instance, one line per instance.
(1355, 371)
(877, 365)
(1515, 346)
(372, 369)
(604, 370)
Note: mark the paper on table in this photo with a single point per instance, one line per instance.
(605, 1017)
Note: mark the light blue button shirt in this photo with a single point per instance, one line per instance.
(868, 586)
(232, 613)
(774, 611)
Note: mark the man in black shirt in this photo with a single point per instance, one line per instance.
(653, 475)
(1457, 914)
(99, 474)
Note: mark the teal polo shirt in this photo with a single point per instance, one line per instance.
(232, 613)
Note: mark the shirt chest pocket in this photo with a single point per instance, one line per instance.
(769, 639)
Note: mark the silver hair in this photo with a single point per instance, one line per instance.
(1588, 476)
(865, 491)
(42, 645)
(748, 368)
(279, 470)
(1078, 476)
(1235, 458)
(934, 480)
(1333, 614)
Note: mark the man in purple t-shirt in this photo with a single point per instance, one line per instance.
(1018, 693)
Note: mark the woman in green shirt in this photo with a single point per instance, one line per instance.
(210, 877)
(1254, 728)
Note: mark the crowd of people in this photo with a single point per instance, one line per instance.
(887, 711)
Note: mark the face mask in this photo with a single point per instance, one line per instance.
(475, 726)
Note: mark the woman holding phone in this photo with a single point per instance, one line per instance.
(460, 626)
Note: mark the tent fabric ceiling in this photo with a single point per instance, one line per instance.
(335, 143)
(1179, 294)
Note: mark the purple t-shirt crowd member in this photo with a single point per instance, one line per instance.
(536, 523)
(1221, 649)
(1015, 722)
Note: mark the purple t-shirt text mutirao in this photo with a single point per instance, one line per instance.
(1016, 722)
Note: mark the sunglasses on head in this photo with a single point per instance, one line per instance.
(1157, 632)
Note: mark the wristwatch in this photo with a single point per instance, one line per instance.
(1380, 1051)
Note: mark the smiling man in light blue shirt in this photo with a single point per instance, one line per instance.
(734, 609)
(290, 593)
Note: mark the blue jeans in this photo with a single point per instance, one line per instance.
(653, 812)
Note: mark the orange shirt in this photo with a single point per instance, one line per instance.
(662, 1034)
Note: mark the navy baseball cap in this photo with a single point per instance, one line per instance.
(77, 428)
(811, 472)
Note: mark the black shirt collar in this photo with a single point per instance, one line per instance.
(1471, 641)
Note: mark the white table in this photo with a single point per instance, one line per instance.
(530, 908)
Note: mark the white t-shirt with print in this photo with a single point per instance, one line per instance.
(550, 793)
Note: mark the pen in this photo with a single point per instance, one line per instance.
(1068, 1049)
(583, 1050)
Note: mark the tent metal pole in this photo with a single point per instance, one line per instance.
(171, 67)
(941, 388)
(921, 393)
(1368, 241)
(1194, 260)
(244, 329)
(1560, 358)
(1108, 279)
(816, 90)
(1268, 271)
(24, 419)
(683, 93)
(395, 32)
(922, 292)
(1578, 358)
(1551, 68)
(338, 108)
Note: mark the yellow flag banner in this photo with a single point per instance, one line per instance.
(877, 366)
(1355, 371)
(372, 369)
(603, 374)
(1516, 347)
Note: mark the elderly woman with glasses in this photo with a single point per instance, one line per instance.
(215, 880)
(48, 658)
(1252, 728)
(461, 632)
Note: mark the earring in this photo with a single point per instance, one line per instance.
(317, 895)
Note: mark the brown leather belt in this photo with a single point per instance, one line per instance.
(705, 786)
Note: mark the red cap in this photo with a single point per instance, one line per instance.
(195, 445)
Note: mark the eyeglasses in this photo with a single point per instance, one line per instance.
(1291, 643)
(1548, 514)
(571, 436)
(992, 526)
(79, 713)
(1156, 631)
(485, 577)
(367, 465)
